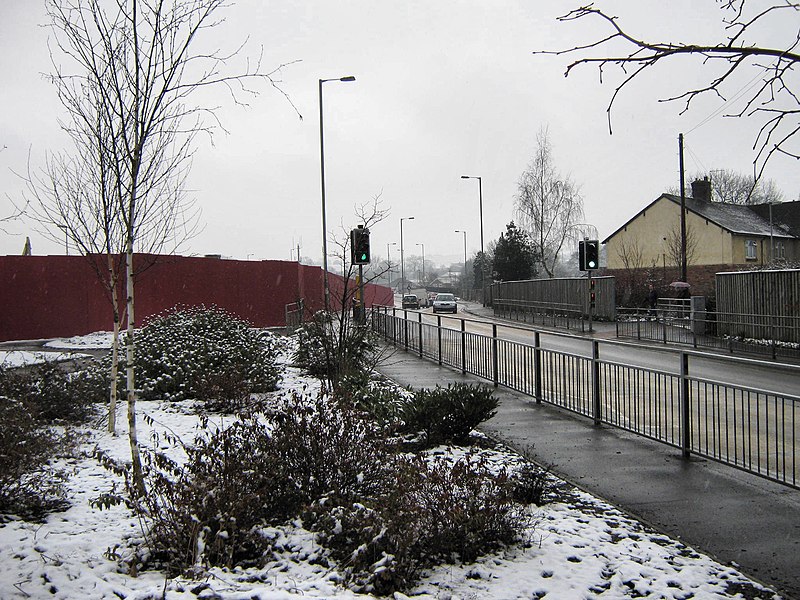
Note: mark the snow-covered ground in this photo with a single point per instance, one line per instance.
(20, 358)
(578, 548)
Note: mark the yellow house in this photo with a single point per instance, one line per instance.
(725, 235)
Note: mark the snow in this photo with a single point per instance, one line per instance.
(95, 341)
(579, 547)
(21, 358)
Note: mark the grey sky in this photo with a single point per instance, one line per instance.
(443, 89)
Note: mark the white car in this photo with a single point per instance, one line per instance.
(445, 303)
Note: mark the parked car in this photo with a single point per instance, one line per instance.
(445, 303)
(410, 301)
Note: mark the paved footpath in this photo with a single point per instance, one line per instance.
(733, 516)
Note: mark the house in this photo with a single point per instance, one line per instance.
(717, 234)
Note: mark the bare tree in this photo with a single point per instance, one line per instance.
(343, 339)
(631, 255)
(137, 60)
(673, 245)
(548, 205)
(739, 188)
(774, 100)
(78, 196)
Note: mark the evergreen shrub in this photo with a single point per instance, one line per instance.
(448, 415)
(205, 354)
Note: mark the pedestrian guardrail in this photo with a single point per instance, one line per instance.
(753, 429)
(763, 335)
(551, 314)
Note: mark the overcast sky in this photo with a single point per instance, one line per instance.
(443, 89)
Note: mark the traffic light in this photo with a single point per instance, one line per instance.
(588, 255)
(359, 246)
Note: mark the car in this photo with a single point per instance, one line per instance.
(410, 301)
(445, 303)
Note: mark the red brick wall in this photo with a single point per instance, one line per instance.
(57, 296)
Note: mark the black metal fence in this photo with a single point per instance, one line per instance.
(752, 429)
(719, 331)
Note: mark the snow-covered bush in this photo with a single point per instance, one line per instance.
(29, 487)
(435, 512)
(52, 394)
(208, 509)
(448, 415)
(205, 354)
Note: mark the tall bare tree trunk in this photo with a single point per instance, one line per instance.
(136, 459)
(112, 400)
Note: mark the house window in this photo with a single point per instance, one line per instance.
(780, 251)
(750, 252)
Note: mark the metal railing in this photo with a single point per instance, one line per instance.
(762, 335)
(751, 429)
(550, 314)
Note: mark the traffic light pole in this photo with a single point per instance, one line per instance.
(362, 319)
(589, 296)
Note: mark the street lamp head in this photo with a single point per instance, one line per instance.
(465, 177)
(347, 78)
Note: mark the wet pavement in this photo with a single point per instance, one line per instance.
(737, 518)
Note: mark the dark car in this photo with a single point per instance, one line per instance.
(410, 301)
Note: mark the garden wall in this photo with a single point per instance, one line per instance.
(58, 296)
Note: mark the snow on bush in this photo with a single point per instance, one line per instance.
(205, 354)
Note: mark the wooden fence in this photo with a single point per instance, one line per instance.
(773, 295)
(568, 292)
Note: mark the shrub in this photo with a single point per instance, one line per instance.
(207, 510)
(532, 485)
(336, 349)
(29, 487)
(205, 354)
(435, 512)
(54, 395)
(448, 414)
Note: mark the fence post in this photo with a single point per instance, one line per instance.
(598, 417)
(495, 359)
(772, 336)
(405, 330)
(439, 335)
(463, 347)
(664, 327)
(686, 434)
(419, 315)
(394, 326)
(537, 368)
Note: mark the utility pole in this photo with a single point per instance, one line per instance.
(683, 210)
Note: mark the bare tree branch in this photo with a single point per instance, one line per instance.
(775, 101)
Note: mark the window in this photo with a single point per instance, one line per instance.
(780, 251)
(750, 252)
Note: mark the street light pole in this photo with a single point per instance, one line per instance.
(464, 284)
(423, 262)
(389, 262)
(402, 259)
(480, 207)
(322, 178)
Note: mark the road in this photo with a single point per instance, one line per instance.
(747, 373)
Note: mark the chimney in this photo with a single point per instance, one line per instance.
(701, 190)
